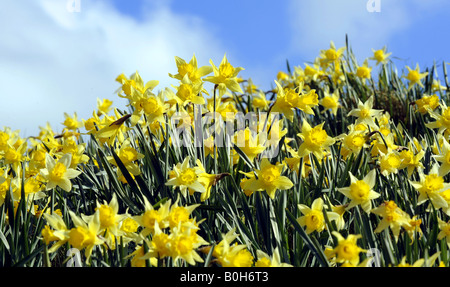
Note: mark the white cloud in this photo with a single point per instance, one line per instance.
(315, 23)
(54, 61)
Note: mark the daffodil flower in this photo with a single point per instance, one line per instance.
(313, 217)
(415, 77)
(231, 255)
(347, 250)
(411, 161)
(315, 140)
(420, 262)
(190, 92)
(393, 217)
(186, 177)
(191, 70)
(427, 103)
(430, 187)
(444, 158)
(248, 143)
(331, 55)
(56, 230)
(225, 77)
(365, 112)
(269, 178)
(361, 192)
(390, 162)
(380, 56)
(109, 219)
(442, 122)
(59, 173)
(352, 143)
(259, 101)
(85, 234)
(331, 101)
(444, 228)
(363, 72)
(152, 216)
(72, 123)
(264, 260)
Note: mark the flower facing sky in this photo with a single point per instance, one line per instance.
(315, 140)
(361, 192)
(59, 173)
(225, 77)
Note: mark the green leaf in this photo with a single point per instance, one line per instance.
(317, 251)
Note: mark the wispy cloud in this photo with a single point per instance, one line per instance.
(315, 23)
(54, 61)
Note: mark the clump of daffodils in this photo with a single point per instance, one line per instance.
(167, 183)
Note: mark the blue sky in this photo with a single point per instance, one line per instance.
(55, 61)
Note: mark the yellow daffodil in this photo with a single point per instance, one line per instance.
(420, 262)
(306, 101)
(264, 260)
(380, 56)
(313, 217)
(315, 140)
(285, 102)
(393, 217)
(352, 143)
(331, 101)
(183, 244)
(103, 106)
(413, 229)
(427, 103)
(152, 216)
(113, 129)
(411, 161)
(269, 178)
(128, 155)
(109, 220)
(58, 231)
(312, 72)
(361, 192)
(340, 210)
(260, 101)
(390, 162)
(231, 255)
(72, 123)
(436, 86)
(347, 250)
(225, 77)
(332, 54)
(363, 72)
(186, 177)
(15, 155)
(248, 142)
(190, 92)
(206, 179)
(191, 70)
(85, 234)
(415, 77)
(430, 188)
(442, 122)
(444, 158)
(444, 228)
(365, 113)
(59, 173)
